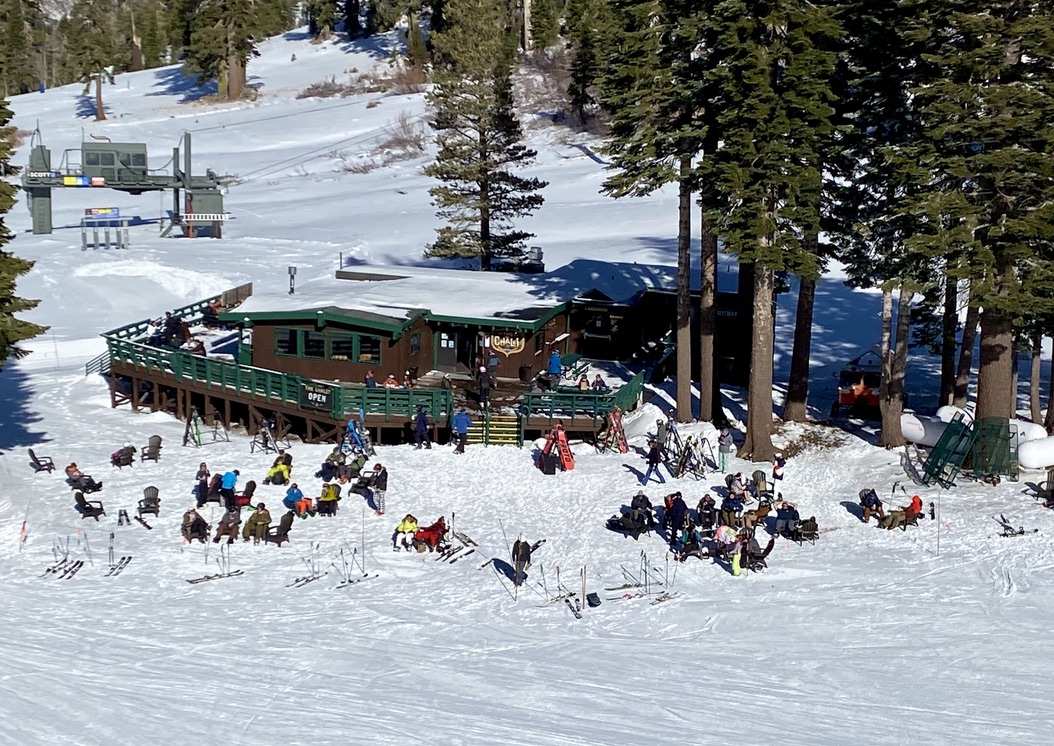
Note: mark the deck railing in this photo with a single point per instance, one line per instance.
(573, 403)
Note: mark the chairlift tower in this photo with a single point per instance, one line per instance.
(101, 164)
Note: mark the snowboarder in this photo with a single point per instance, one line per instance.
(725, 444)
(461, 424)
(421, 429)
(654, 457)
(521, 560)
(380, 487)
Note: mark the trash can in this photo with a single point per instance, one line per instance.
(549, 463)
(525, 373)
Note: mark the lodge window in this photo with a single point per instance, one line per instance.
(342, 347)
(369, 349)
(91, 159)
(327, 345)
(107, 159)
(415, 344)
(285, 341)
(539, 343)
(314, 344)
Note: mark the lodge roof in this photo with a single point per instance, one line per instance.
(391, 297)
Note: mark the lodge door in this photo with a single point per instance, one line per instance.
(446, 351)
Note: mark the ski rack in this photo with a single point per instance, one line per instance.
(192, 434)
(265, 440)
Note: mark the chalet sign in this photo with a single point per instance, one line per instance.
(316, 396)
(507, 344)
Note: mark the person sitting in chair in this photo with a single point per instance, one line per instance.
(81, 481)
(194, 527)
(257, 525)
(431, 536)
(327, 501)
(869, 503)
(280, 470)
(731, 508)
(124, 455)
(583, 383)
(598, 384)
(737, 486)
(706, 514)
(786, 519)
(228, 526)
(906, 514)
(641, 510)
(404, 533)
(753, 556)
(331, 466)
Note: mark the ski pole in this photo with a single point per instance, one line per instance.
(88, 550)
(504, 536)
(541, 568)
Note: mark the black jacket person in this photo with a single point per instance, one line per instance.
(521, 559)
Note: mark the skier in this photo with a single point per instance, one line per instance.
(653, 457)
(521, 560)
(461, 424)
(380, 487)
(421, 429)
(725, 444)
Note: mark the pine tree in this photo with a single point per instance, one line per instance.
(151, 34)
(416, 49)
(987, 121)
(545, 23)
(221, 43)
(92, 36)
(771, 77)
(322, 16)
(352, 10)
(12, 330)
(16, 71)
(587, 31)
(479, 138)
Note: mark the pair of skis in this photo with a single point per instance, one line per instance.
(1008, 528)
(353, 581)
(217, 576)
(118, 567)
(64, 570)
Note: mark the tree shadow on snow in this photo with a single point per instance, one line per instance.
(86, 105)
(378, 46)
(14, 426)
(172, 81)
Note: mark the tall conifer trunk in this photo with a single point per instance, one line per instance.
(965, 366)
(795, 408)
(894, 366)
(709, 389)
(100, 112)
(684, 298)
(758, 444)
(948, 324)
(995, 373)
(1035, 408)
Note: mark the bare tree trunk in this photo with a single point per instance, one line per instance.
(965, 366)
(758, 443)
(795, 409)
(1048, 420)
(894, 365)
(949, 321)
(1034, 405)
(708, 384)
(100, 112)
(995, 374)
(684, 295)
(235, 78)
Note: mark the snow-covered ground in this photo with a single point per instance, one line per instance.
(934, 635)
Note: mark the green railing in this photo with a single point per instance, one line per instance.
(389, 401)
(569, 402)
(99, 364)
(626, 396)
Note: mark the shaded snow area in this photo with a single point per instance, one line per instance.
(867, 636)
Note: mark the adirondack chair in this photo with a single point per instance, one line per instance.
(152, 450)
(124, 457)
(245, 497)
(150, 503)
(41, 463)
(280, 533)
(327, 502)
(807, 531)
(88, 508)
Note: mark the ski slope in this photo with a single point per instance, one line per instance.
(930, 636)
